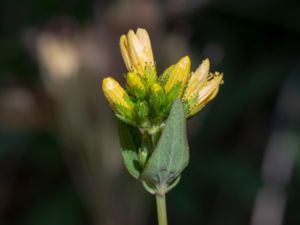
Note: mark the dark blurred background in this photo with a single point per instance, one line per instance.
(60, 161)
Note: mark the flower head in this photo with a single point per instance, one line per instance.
(147, 100)
(136, 51)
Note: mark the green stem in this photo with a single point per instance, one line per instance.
(161, 209)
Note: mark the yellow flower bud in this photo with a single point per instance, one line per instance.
(136, 85)
(117, 98)
(134, 80)
(206, 92)
(136, 51)
(177, 78)
(197, 80)
(156, 88)
(143, 36)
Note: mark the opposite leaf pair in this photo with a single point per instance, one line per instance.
(161, 171)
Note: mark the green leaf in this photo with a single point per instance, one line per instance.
(171, 155)
(130, 140)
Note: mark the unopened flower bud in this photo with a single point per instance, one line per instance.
(118, 98)
(136, 51)
(136, 85)
(196, 81)
(177, 78)
(205, 93)
(143, 156)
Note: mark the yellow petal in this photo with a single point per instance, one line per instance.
(179, 74)
(137, 54)
(197, 80)
(143, 36)
(124, 52)
(208, 92)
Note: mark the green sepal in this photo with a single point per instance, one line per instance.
(136, 85)
(165, 75)
(150, 74)
(171, 155)
(130, 141)
(158, 103)
(124, 113)
(137, 92)
(188, 105)
(174, 92)
(126, 120)
(141, 112)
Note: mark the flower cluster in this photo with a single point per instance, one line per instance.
(148, 98)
